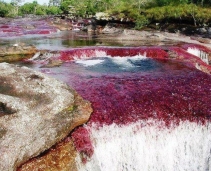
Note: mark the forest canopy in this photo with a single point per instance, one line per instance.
(142, 12)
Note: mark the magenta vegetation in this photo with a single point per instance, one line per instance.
(26, 27)
(173, 92)
(153, 52)
(83, 143)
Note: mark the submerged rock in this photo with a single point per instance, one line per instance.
(36, 112)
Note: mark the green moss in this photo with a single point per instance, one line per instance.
(72, 108)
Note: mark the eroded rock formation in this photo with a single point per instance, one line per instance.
(36, 112)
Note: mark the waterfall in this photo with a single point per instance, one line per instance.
(199, 53)
(149, 146)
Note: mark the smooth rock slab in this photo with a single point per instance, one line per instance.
(36, 112)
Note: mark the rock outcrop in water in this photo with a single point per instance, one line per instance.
(36, 112)
(16, 52)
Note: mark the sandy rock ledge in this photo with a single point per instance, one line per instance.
(36, 112)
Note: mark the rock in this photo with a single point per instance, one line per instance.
(131, 32)
(29, 26)
(202, 30)
(109, 29)
(60, 157)
(200, 39)
(102, 16)
(16, 52)
(209, 30)
(52, 63)
(60, 24)
(36, 112)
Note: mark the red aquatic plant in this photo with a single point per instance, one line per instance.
(190, 59)
(17, 28)
(197, 46)
(174, 91)
(79, 53)
(83, 143)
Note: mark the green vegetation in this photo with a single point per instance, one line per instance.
(183, 13)
(14, 9)
(142, 12)
(6, 10)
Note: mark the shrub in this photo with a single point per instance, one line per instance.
(52, 10)
(141, 21)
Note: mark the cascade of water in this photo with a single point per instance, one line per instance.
(199, 53)
(150, 146)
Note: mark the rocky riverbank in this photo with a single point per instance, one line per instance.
(36, 112)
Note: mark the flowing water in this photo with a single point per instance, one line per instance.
(151, 112)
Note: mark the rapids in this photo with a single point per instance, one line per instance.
(151, 109)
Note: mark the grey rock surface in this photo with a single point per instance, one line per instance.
(36, 112)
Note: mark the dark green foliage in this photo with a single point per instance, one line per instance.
(5, 9)
(53, 10)
(187, 12)
(28, 8)
(142, 12)
(65, 6)
(141, 21)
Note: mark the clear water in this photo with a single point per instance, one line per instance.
(54, 41)
(119, 64)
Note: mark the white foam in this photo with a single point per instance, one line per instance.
(90, 62)
(194, 51)
(146, 147)
(201, 54)
(124, 62)
(121, 62)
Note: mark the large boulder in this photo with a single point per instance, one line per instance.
(36, 112)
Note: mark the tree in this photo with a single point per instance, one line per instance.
(27, 8)
(4, 10)
(53, 10)
(40, 10)
(64, 7)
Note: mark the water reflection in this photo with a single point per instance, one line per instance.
(55, 41)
